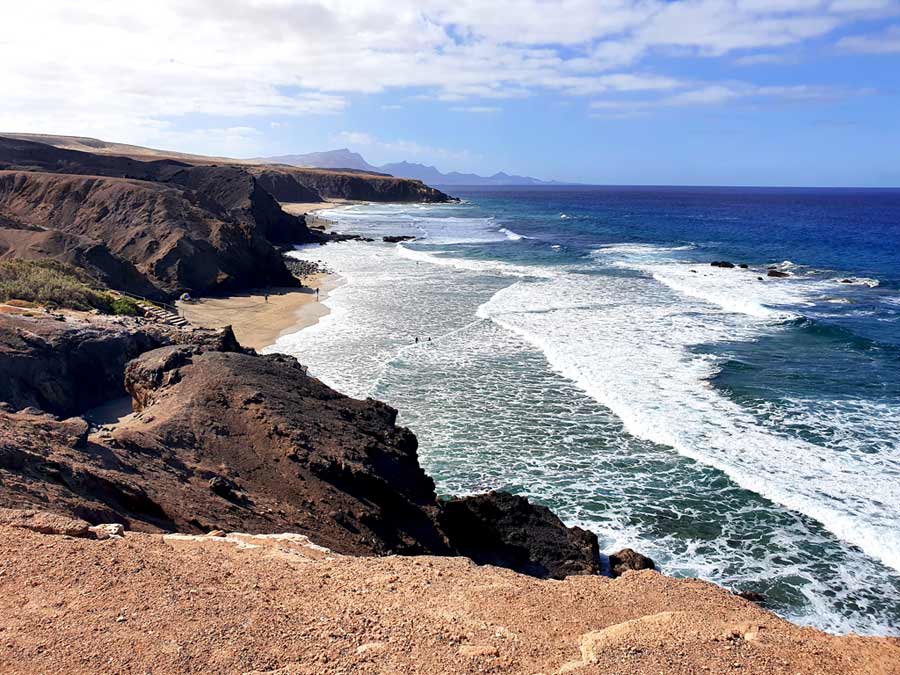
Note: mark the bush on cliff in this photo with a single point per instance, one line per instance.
(58, 285)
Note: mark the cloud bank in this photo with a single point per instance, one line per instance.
(136, 70)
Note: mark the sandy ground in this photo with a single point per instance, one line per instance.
(258, 323)
(314, 220)
(277, 605)
(302, 208)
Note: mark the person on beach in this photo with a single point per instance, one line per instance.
(317, 295)
(267, 295)
(417, 339)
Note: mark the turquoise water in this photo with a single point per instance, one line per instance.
(585, 354)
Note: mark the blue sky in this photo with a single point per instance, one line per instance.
(751, 92)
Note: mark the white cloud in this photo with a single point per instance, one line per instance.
(886, 42)
(396, 150)
(718, 94)
(126, 70)
(477, 109)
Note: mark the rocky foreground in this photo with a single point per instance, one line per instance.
(277, 604)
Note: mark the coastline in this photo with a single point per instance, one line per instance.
(258, 323)
(309, 211)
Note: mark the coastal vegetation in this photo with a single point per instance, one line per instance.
(53, 284)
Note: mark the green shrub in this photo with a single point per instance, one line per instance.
(52, 284)
(124, 306)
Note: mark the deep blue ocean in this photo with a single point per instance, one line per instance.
(736, 426)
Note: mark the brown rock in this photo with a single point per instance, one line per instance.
(506, 530)
(628, 560)
(44, 522)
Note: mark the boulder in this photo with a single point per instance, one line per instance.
(396, 238)
(44, 522)
(722, 263)
(107, 531)
(628, 560)
(776, 273)
(506, 530)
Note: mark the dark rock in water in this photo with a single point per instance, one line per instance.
(777, 273)
(395, 239)
(759, 278)
(627, 560)
(722, 263)
(743, 266)
(506, 530)
(846, 281)
(752, 596)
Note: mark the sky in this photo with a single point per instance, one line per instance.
(698, 92)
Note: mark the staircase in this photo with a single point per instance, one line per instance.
(163, 315)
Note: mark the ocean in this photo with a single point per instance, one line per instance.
(577, 347)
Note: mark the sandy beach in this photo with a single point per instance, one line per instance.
(258, 323)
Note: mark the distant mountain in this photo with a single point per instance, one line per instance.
(345, 159)
(330, 159)
(431, 176)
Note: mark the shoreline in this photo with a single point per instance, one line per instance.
(258, 323)
(308, 211)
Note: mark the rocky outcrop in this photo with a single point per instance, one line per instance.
(66, 367)
(359, 186)
(506, 530)
(272, 449)
(396, 238)
(628, 560)
(232, 193)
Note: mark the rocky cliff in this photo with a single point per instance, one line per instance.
(173, 240)
(226, 439)
(357, 185)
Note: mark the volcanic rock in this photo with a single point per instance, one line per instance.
(628, 560)
(506, 530)
(776, 273)
(395, 238)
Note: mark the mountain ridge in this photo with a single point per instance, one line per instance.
(344, 158)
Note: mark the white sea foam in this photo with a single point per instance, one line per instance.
(437, 257)
(490, 414)
(626, 342)
(512, 236)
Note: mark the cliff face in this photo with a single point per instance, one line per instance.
(172, 242)
(153, 228)
(359, 186)
(286, 187)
